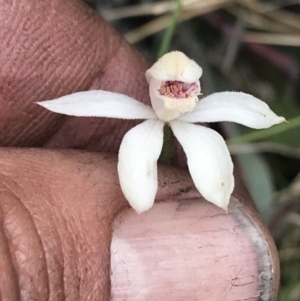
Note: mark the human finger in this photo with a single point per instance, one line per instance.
(53, 48)
(60, 238)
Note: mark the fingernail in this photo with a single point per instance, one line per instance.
(188, 250)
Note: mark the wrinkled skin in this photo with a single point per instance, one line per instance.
(53, 48)
(57, 207)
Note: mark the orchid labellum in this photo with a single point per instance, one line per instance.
(174, 88)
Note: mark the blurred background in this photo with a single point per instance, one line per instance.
(244, 45)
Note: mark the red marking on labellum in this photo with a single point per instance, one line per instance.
(177, 89)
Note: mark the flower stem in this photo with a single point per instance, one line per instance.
(266, 133)
(164, 46)
(168, 146)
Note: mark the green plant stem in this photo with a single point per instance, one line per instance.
(263, 134)
(168, 146)
(164, 46)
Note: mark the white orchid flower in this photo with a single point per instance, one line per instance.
(174, 88)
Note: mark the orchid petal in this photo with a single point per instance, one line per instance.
(233, 106)
(137, 167)
(208, 161)
(99, 103)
